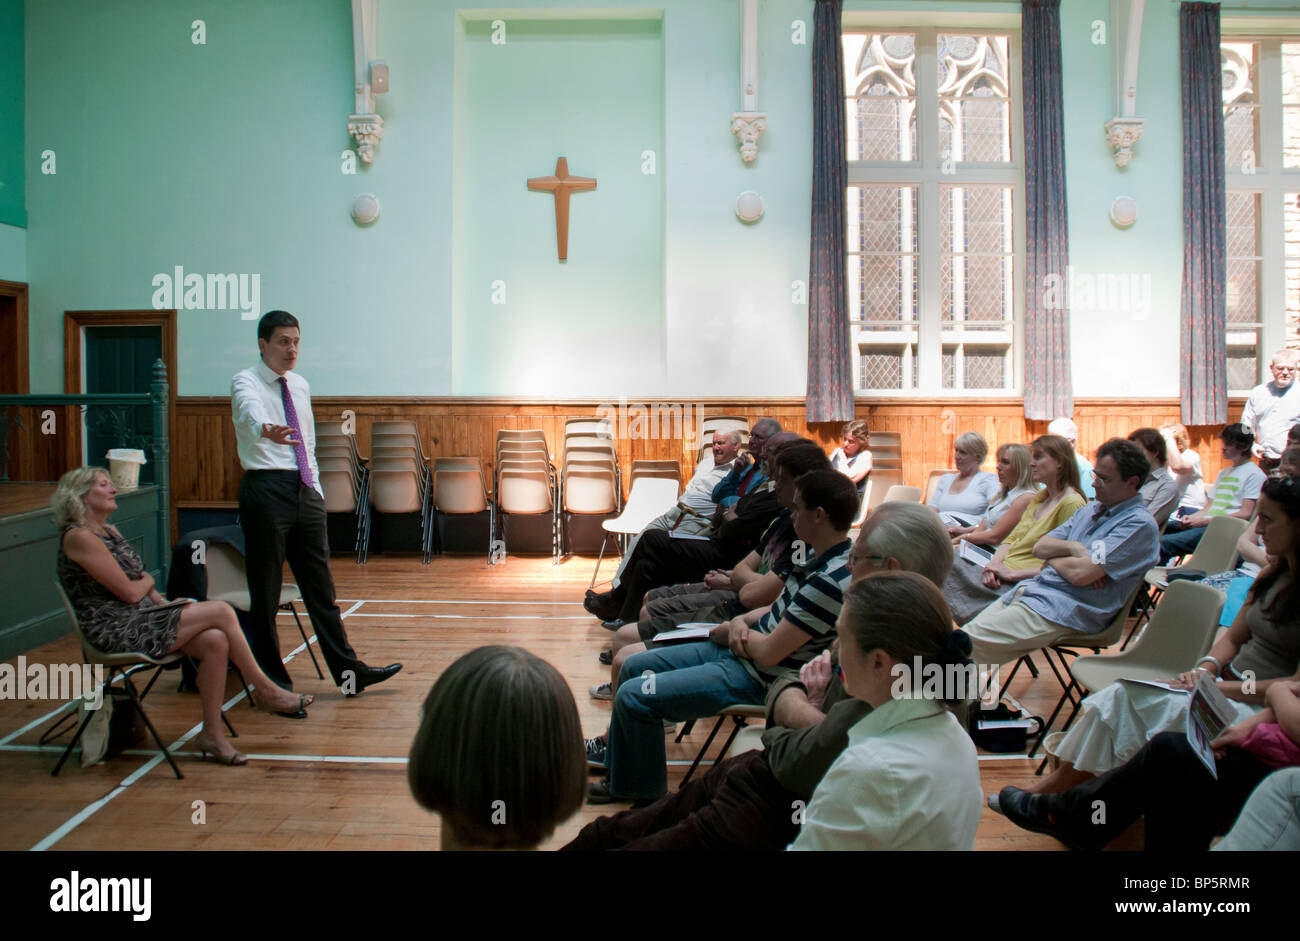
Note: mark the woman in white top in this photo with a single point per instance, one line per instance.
(909, 778)
(1017, 479)
(852, 459)
(963, 497)
(1185, 464)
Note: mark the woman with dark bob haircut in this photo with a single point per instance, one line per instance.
(499, 751)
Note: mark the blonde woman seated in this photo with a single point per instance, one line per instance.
(118, 608)
(1261, 648)
(909, 778)
(852, 459)
(1017, 480)
(971, 588)
(962, 498)
(498, 755)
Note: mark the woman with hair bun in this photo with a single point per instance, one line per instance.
(909, 779)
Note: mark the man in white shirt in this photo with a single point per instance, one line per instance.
(693, 513)
(1272, 408)
(282, 509)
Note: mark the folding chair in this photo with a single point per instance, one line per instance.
(228, 582)
(901, 494)
(738, 716)
(119, 663)
(649, 498)
(1216, 552)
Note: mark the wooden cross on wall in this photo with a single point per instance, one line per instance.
(562, 185)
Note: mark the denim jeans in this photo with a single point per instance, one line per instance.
(1179, 542)
(688, 681)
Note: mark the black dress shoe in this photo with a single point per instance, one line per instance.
(601, 605)
(369, 676)
(1035, 812)
(606, 656)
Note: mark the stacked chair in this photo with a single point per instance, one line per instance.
(460, 494)
(591, 483)
(886, 449)
(345, 479)
(400, 480)
(527, 488)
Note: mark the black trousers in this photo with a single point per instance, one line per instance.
(285, 521)
(737, 805)
(659, 559)
(1183, 804)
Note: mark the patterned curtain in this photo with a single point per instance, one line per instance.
(1203, 381)
(1048, 390)
(830, 379)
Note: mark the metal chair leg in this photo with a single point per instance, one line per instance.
(303, 632)
(139, 707)
(707, 742)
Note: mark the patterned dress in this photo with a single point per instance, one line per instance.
(109, 623)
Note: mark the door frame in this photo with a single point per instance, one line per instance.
(18, 290)
(74, 344)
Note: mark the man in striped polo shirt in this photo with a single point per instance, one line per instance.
(741, 657)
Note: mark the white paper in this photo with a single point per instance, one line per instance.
(973, 553)
(686, 632)
(1208, 714)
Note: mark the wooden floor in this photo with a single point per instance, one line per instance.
(338, 779)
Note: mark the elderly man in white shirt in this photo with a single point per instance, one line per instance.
(282, 508)
(694, 511)
(1272, 408)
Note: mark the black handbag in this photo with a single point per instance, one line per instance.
(1002, 729)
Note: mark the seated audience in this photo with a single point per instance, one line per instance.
(1261, 648)
(1093, 563)
(1183, 805)
(497, 754)
(1271, 818)
(1235, 491)
(1185, 464)
(662, 559)
(962, 498)
(1068, 430)
(748, 471)
(745, 802)
(694, 511)
(741, 657)
(1017, 480)
(1235, 583)
(971, 587)
(851, 458)
(120, 612)
(909, 778)
(1159, 491)
(758, 579)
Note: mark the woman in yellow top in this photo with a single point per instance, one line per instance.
(970, 588)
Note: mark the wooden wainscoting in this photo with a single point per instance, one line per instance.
(205, 465)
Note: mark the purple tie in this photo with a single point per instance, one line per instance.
(299, 449)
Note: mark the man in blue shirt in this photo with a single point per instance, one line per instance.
(1093, 562)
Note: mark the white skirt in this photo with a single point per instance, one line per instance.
(1117, 721)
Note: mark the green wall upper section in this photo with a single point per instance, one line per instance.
(13, 253)
(226, 158)
(12, 209)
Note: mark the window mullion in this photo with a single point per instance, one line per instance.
(1272, 269)
(930, 373)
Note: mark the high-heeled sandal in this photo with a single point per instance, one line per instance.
(208, 750)
(304, 700)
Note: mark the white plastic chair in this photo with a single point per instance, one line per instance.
(651, 497)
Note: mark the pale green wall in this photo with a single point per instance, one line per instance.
(226, 158)
(13, 253)
(12, 210)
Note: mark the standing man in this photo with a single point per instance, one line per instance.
(1272, 408)
(282, 509)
